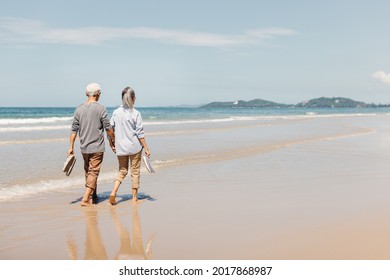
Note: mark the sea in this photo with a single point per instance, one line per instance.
(34, 140)
(13, 119)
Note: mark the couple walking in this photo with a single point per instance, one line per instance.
(125, 135)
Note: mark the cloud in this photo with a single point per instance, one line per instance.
(17, 30)
(270, 32)
(382, 77)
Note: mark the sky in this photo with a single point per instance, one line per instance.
(175, 53)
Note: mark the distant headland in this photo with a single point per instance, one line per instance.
(322, 102)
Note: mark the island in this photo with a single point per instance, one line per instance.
(322, 102)
(256, 103)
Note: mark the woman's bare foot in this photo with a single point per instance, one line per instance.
(112, 200)
(134, 195)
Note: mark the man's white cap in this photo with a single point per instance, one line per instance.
(93, 88)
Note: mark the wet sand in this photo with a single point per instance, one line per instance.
(289, 189)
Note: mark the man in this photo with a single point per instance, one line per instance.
(90, 120)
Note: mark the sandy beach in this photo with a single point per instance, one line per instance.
(291, 189)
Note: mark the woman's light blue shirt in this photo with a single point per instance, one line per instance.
(128, 127)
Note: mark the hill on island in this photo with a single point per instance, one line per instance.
(322, 102)
(334, 102)
(256, 103)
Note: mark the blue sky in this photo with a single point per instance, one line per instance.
(193, 52)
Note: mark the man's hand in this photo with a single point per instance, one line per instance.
(71, 141)
(111, 139)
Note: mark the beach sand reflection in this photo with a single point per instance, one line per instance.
(131, 245)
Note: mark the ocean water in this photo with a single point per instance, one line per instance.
(34, 141)
(51, 118)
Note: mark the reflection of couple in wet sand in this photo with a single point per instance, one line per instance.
(128, 249)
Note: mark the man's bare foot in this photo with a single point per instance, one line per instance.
(95, 198)
(85, 204)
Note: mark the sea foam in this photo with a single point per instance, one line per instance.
(34, 120)
(21, 191)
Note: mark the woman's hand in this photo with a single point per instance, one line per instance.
(144, 146)
(147, 153)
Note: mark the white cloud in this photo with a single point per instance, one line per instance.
(382, 77)
(16, 30)
(270, 32)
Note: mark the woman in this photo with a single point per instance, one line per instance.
(129, 142)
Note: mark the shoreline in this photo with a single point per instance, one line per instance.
(313, 189)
